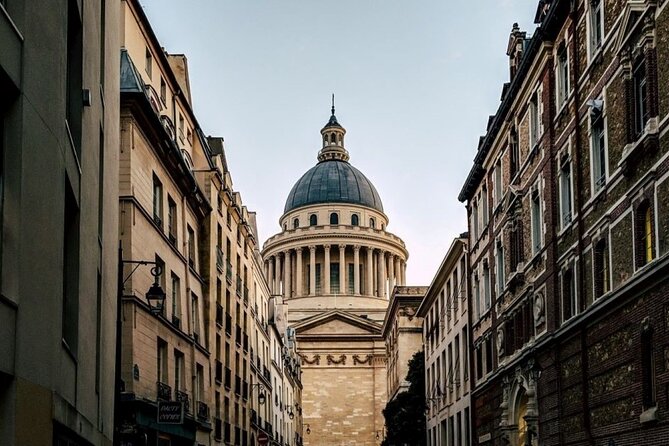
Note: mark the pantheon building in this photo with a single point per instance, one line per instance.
(335, 263)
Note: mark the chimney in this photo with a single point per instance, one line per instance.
(515, 48)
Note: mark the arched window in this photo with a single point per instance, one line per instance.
(296, 223)
(372, 223)
(313, 220)
(333, 138)
(285, 227)
(383, 227)
(521, 412)
(355, 220)
(334, 218)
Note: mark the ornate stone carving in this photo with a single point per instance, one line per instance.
(539, 309)
(315, 360)
(366, 360)
(341, 360)
(407, 312)
(500, 341)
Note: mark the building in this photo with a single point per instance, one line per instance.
(335, 264)
(567, 201)
(403, 335)
(445, 314)
(58, 202)
(206, 354)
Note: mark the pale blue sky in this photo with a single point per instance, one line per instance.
(414, 81)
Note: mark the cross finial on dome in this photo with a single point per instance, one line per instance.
(333, 108)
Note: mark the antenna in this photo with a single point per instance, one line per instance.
(333, 107)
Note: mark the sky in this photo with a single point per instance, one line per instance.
(415, 82)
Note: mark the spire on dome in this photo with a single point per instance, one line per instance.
(333, 139)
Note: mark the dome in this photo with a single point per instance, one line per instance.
(333, 181)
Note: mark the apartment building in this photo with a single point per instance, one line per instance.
(190, 371)
(445, 314)
(58, 204)
(567, 202)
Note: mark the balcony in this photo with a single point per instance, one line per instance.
(239, 286)
(238, 385)
(269, 429)
(219, 259)
(202, 411)
(218, 429)
(219, 371)
(228, 271)
(219, 315)
(183, 396)
(164, 392)
(228, 377)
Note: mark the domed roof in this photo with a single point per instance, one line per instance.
(333, 181)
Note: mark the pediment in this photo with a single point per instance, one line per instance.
(337, 323)
(634, 10)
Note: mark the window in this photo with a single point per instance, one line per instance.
(199, 382)
(488, 355)
(644, 234)
(477, 295)
(172, 220)
(71, 239)
(535, 202)
(647, 368)
(499, 258)
(596, 23)
(562, 75)
(350, 278)
(497, 185)
(516, 242)
(148, 62)
(599, 155)
(191, 247)
(484, 206)
(355, 220)
(479, 362)
(313, 220)
(565, 196)
(163, 90)
(640, 86)
(334, 278)
(179, 371)
(195, 317)
(514, 162)
(569, 307)
(157, 201)
(181, 127)
(318, 278)
(535, 119)
(465, 354)
(601, 268)
(486, 284)
(296, 223)
(176, 300)
(161, 365)
(334, 218)
(372, 223)
(475, 220)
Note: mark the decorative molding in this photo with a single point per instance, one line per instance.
(407, 311)
(331, 360)
(366, 360)
(315, 360)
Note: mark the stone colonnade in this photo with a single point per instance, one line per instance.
(367, 271)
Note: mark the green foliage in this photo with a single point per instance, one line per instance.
(405, 415)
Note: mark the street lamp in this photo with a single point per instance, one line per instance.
(261, 392)
(308, 431)
(156, 300)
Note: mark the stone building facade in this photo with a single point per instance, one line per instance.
(403, 335)
(335, 264)
(210, 350)
(59, 135)
(567, 201)
(445, 314)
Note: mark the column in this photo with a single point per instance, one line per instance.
(312, 271)
(356, 270)
(391, 273)
(326, 272)
(277, 274)
(270, 276)
(380, 273)
(342, 270)
(370, 271)
(404, 273)
(299, 279)
(287, 271)
(398, 272)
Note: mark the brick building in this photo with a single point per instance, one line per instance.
(568, 201)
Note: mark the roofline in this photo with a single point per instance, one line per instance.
(542, 32)
(457, 248)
